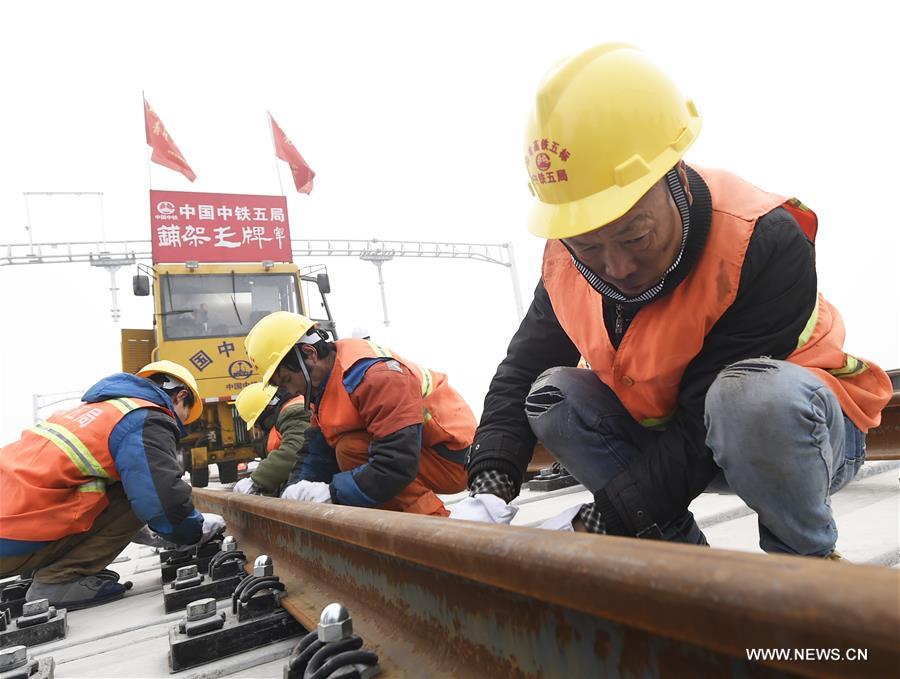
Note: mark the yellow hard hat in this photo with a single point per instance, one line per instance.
(272, 337)
(607, 124)
(183, 375)
(252, 400)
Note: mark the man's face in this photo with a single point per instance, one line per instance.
(179, 403)
(288, 381)
(633, 252)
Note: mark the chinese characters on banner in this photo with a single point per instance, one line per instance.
(218, 227)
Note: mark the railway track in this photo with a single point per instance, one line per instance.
(441, 598)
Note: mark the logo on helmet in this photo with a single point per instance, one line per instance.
(539, 151)
(542, 160)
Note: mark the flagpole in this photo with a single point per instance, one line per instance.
(275, 152)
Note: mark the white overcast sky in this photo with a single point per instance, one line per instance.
(412, 115)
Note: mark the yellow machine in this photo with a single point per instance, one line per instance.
(202, 314)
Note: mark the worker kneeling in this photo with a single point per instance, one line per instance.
(283, 422)
(76, 488)
(385, 432)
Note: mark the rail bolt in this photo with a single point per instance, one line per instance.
(229, 544)
(200, 609)
(263, 566)
(186, 573)
(35, 607)
(13, 657)
(335, 623)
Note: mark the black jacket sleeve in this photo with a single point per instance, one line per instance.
(504, 440)
(776, 295)
(392, 466)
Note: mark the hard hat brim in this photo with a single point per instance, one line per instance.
(182, 374)
(564, 220)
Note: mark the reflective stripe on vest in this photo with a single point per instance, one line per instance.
(852, 365)
(76, 451)
(95, 486)
(72, 446)
(124, 405)
(810, 325)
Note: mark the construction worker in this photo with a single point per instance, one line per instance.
(396, 431)
(285, 420)
(78, 486)
(691, 295)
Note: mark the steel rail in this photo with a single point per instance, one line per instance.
(439, 597)
(883, 442)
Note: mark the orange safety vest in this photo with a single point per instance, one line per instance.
(447, 418)
(646, 370)
(53, 479)
(274, 438)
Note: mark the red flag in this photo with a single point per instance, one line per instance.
(165, 152)
(286, 151)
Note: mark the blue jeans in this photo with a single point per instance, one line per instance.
(582, 422)
(776, 431)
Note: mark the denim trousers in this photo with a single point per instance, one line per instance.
(775, 430)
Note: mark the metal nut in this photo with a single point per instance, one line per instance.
(335, 623)
(201, 609)
(35, 607)
(229, 544)
(186, 572)
(263, 566)
(13, 657)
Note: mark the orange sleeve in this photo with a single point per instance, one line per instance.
(389, 398)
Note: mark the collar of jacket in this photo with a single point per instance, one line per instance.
(700, 219)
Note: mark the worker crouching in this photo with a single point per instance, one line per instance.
(691, 295)
(385, 432)
(76, 488)
(283, 422)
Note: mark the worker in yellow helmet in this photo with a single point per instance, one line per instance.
(691, 295)
(76, 488)
(385, 433)
(284, 421)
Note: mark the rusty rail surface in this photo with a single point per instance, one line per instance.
(436, 597)
(883, 442)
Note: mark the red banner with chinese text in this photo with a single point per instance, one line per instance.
(218, 227)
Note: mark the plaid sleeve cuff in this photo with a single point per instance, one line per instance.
(592, 519)
(495, 483)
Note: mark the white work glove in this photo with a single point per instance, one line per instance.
(308, 491)
(246, 486)
(483, 507)
(563, 520)
(213, 524)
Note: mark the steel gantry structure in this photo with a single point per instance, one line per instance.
(114, 254)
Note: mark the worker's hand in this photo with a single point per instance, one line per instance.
(563, 520)
(246, 486)
(308, 491)
(213, 524)
(483, 507)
